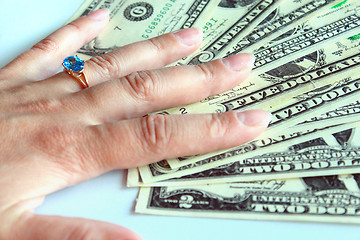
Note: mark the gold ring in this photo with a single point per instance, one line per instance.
(74, 66)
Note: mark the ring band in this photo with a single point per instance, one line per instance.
(74, 66)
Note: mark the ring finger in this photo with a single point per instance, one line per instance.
(44, 58)
(144, 55)
(148, 54)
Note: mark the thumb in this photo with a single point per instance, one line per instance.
(33, 227)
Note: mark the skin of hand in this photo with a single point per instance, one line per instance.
(53, 134)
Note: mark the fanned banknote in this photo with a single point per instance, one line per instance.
(313, 103)
(272, 90)
(308, 72)
(307, 56)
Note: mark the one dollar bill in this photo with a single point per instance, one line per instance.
(229, 24)
(132, 21)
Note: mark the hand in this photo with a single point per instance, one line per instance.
(53, 134)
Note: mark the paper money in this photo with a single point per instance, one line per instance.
(321, 199)
(308, 72)
(133, 21)
(306, 75)
(278, 87)
(313, 103)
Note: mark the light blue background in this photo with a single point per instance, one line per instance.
(22, 24)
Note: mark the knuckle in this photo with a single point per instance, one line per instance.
(41, 106)
(155, 133)
(82, 232)
(163, 48)
(207, 72)
(156, 45)
(54, 140)
(72, 26)
(107, 63)
(48, 45)
(5, 76)
(64, 146)
(218, 125)
(143, 85)
(16, 95)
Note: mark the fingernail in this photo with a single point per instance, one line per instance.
(254, 118)
(99, 14)
(189, 36)
(239, 61)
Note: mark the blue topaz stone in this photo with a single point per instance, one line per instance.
(73, 63)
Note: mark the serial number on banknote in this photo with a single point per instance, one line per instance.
(159, 17)
(209, 24)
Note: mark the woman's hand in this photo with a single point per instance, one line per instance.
(53, 134)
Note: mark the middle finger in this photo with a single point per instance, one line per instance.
(140, 93)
